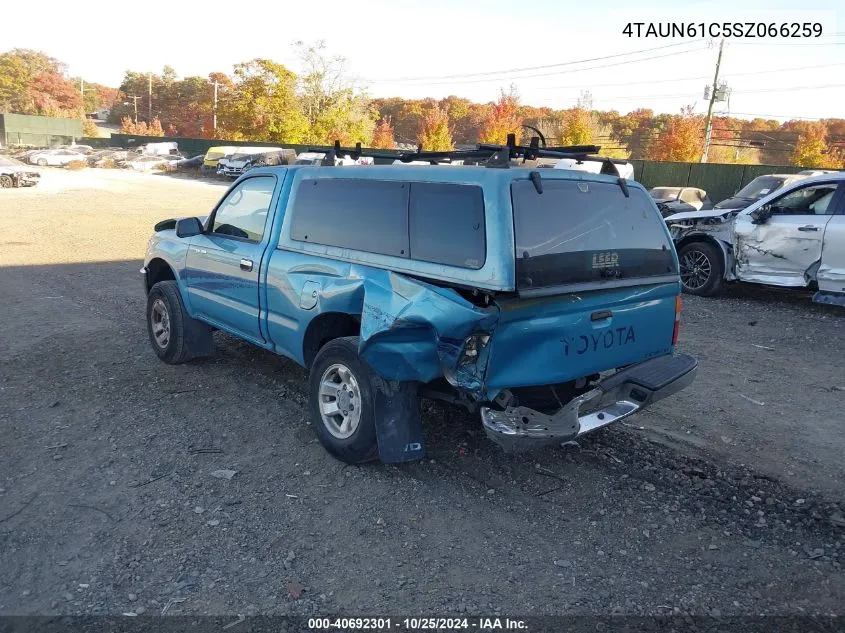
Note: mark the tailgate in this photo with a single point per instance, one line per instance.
(556, 339)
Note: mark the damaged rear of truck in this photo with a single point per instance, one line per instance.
(549, 304)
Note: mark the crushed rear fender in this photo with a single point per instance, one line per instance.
(414, 331)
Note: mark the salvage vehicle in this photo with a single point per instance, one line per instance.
(319, 158)
(247, 158)
(466, 284)
(214, 154)
(56, 157)
(793, 237)
(758, 188)
(672, 200)
(14, 173)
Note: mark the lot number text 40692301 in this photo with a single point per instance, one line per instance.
(722, 29)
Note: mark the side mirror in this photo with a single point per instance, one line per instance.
(188, 227)
(758, 216)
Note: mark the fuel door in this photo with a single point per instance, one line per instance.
(308, 298)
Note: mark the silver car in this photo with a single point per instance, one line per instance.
(792, 237)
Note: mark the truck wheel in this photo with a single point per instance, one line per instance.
(341, 404)
(702, 269)
(6, 182)
(174, 335)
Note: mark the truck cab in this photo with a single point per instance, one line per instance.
(549, 304)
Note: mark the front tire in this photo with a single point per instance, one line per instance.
(6, 182)
(341, 404)
(174, 335)
(702, 269)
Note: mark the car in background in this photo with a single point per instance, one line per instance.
(816, 172)
(81, 149)
(247, 158)
(670, 200)
(214, 154)
(14, 173)
(316, 158)
(104, 157)
(151, 163)
(56, 157)
(791, 237)
(757, 189)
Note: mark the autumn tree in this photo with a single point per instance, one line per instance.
(90, 129)
(811, 148)
(682, 138)
(262, 105)
(32, 82)
(383, 136)
(576, 127)
(141, 128)
(502, 119)
(434, 133)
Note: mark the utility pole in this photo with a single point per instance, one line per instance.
(214, 109)
(135, 103)
(708, 126)
(150, 95)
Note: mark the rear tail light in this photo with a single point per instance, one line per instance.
(677, 329)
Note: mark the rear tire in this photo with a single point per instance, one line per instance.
(702, 269)
(174, 335)
(341, 404)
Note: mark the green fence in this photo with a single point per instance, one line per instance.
(719, 181)
(38, 131)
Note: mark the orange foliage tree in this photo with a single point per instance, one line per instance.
(141, 128)
(383, 136)
(434, 134)
(502, 119)
(682, 140)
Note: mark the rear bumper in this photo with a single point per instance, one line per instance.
(614, 398)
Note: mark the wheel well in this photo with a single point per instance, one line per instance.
(691, 239)
(324, 328)
(158, 270)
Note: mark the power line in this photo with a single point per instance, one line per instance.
(563, 72)
(544, 67)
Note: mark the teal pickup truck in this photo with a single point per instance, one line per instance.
(545, 300)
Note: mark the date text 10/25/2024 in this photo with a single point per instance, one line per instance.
(723, 29)
(417, 624)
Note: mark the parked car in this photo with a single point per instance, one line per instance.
(626, 170)
(80, 149)
(756, 189)
(14, 173)
(247, 158)
(150, 163)
(56, 157)
(163, 148)
(794, 237)
(316, 158)
(677, 199)
(395, 282)
(214, 154)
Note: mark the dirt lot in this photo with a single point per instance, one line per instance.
(723, 500)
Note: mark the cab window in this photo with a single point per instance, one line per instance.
(243, 212)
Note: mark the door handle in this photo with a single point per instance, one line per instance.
(809, 227)
(246, 264)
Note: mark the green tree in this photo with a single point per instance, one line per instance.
(434, 134)
(334, 107)
(262, 105)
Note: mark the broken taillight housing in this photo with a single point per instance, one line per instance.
(474, 344)
(676, 332)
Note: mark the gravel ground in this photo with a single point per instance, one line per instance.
(723, 500)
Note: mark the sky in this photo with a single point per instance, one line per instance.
(468, 48)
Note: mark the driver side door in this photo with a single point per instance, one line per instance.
(223, 262)
(780, 249)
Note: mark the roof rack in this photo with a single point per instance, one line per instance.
(489, 155)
